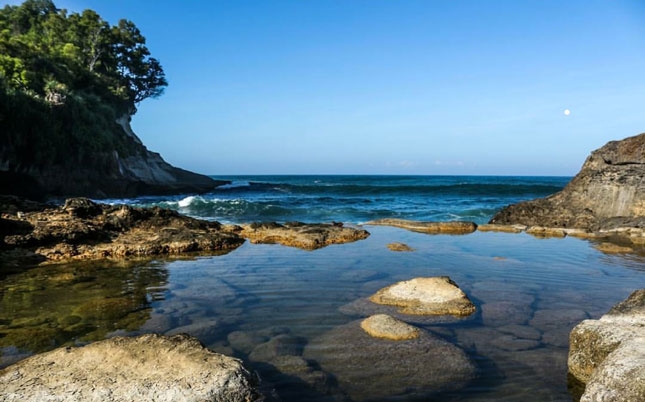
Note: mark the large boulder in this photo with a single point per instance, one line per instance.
(371, 368)
(607, 356)
(607, 194)
(145, 368)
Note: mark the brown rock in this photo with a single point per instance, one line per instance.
(426, 296)
(428, 227)
(608, 355)
(82, 229)
(301, 235)
(387, 327)
(607, 193)
(501, 228)
(148, 367)
(399, 247)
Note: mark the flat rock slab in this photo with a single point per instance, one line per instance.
(428, 227)
(364, 307)
(426, 296)
(302, 235)
(369, 368)
(145, 368)
(388, 327)
(608, 355)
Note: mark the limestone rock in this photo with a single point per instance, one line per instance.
(608, 355)
(369, 368)
(607, 193)
(428, 227)
(431, 296)
(301, 235)
(145, 368)
(83, 229)
(388, 327)
(501, 228)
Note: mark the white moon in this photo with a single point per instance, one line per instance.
(567, 112)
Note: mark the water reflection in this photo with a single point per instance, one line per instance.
(50, 306)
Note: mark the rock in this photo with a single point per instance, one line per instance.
(369, 368)
(207, 331)
(148, 367)
(281, 345)
(83, 229)
(399, 247)
(501, 313)
(428, 227)
(607, 193)
(387, 327)
(611, 248)
(608, 355)
(301, 235)
(364, 307)
(541, 231)
(426, 296)
(501, 228)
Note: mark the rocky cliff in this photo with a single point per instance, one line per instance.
(130, 170)
(607, 193)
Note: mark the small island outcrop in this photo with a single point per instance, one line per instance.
(608, 194)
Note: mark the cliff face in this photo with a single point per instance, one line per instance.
(608, 192)
(101, 173)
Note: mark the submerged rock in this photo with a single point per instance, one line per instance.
(388, 327)
(148, 367)
(305, 236)
(83, 229)
(426, 296)
(399, 247)
(369, 368)
(428, 227)
(608, 355)
(607, 194)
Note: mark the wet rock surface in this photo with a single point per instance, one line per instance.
(301, 235)
(428, 227)
(149, 367)
(416, 367)
(607, 356)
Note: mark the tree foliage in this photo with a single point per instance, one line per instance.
(65, 78)
(41, 44)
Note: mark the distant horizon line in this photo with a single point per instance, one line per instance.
(387, 175)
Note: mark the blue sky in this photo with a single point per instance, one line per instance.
(388, 87)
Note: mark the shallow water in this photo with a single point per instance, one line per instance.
(263, 300)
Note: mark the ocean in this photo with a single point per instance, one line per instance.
(356, 199)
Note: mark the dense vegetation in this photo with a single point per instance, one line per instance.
(64, 80)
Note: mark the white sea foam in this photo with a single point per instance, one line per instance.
(235, 184)
(186, 202)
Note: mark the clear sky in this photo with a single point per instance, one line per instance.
(388, 87)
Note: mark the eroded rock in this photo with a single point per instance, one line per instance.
(608, 355)
(302, 235)
(148, 367)
(82, 229)
(388, 327)
(426, 296)
(608, 193)
(428, 227)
